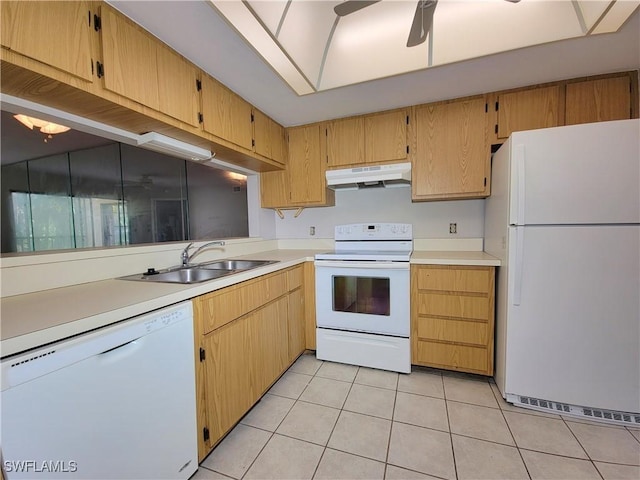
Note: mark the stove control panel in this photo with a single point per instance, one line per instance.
(374, 231)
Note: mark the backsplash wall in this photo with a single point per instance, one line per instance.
(429, 219)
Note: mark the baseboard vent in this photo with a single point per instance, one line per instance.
(609, 416)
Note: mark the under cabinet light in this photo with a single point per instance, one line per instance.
(170, 146)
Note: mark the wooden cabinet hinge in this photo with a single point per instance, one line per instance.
(203, 354)
(92, 67)
(486, 108)
(253, 142)
(407, 149)
(205, 434)
(496, 129)
(485, 181)
(252, 119)
(97, 23)
(198, 84)
(407, 119)
(200, 117)
(99, 69)
(497, 106)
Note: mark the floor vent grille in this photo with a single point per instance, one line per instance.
(609, 416)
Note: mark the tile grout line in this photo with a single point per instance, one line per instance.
(526, 467)
(446, 408)
(581, 446)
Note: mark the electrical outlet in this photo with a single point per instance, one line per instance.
(453, 228)
(312, 231)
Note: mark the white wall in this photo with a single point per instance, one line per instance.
(429, 219)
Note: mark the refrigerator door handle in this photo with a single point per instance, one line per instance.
(519, 156)
(519, 261)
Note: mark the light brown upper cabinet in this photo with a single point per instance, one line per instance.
(345, 142)
(450, 153)
(375, 138)
(225, 114)
(268, 137)
(306, 168)
(177, 86)
(130, 61)
(528, 110)
(598, 100)
(303, 182)
(385, 136)
(141, 68)
(54, 33)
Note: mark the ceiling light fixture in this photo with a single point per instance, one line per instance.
(46, 127)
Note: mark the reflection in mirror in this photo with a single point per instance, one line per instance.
(112, 195)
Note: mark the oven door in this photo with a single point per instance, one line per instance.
(365, 296)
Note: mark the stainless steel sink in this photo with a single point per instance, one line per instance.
(181, 275)
(198, 273)
(235, 264)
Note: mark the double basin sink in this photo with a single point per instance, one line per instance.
(198, 273)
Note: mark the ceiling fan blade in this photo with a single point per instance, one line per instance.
(350, 6)
(422, 21)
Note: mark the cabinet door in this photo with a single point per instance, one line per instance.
(528, 110)
(345, 142)
(177, 89)
(268, 136)
(228, 376)
(451, 158)
(296, 324)
(274, 190)
(269, 345)
(598, 100)
(306, 168)
(54, 33)
(226, 115)
(385, 136)
(130, 63)
(310, 305)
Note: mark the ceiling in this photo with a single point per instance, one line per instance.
(320, 45)
(196, 30)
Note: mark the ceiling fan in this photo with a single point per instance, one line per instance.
(422, 20)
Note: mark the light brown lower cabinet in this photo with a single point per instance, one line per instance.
(242, 349)
(452, 317)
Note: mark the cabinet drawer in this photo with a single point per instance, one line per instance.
(295, 278)
(454, 279)
(458, 357)
(227, 304)
(453, 306)
(475, 333)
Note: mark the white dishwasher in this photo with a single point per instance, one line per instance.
(118, 402)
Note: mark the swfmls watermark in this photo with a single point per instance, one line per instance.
(40, 466)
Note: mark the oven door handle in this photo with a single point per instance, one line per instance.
(365, 265)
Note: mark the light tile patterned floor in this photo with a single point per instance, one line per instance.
(325, 420)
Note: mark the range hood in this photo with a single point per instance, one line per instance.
(393, 175)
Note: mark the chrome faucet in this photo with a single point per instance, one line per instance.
(186, 258)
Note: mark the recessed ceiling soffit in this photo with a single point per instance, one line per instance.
(320, 45)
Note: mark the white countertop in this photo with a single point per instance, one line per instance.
(34, 319)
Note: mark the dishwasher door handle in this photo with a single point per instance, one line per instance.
(120, 352)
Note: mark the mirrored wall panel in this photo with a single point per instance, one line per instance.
(114, 195)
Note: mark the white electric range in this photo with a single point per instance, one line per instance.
(362, 296)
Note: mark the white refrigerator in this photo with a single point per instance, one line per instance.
(564, 219)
